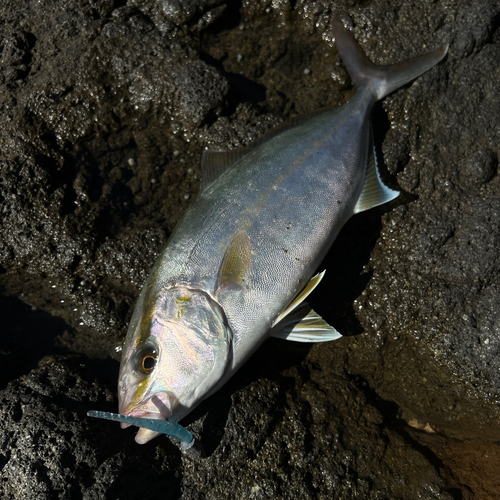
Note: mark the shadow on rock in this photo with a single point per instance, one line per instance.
(261, 378)
(28, 334)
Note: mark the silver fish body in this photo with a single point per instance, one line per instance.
(249, 244)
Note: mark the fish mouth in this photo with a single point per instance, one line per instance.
(142, 414)
(158, 407)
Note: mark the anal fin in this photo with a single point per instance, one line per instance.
(375, 192)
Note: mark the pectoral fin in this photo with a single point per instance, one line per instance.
(236, 264)
(305, 325)
(313, 283)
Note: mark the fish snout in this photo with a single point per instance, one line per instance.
(160, 406)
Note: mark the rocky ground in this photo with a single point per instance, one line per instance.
(105, 108)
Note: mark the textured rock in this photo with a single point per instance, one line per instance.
(105, 109)
(270, 434)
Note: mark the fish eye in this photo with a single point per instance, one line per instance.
(148, 363)
(145, 359)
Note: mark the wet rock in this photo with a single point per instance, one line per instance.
(50, 449)
(263, 431)
(442, 246)
(202, 94)
(479, 17)
(480, 168)
(169, 14)
(472, 468)
(105, 110)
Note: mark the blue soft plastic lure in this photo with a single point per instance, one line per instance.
(163, 426)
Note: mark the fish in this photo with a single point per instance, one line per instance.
(239, 265)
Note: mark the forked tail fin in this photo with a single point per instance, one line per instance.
(382, 80)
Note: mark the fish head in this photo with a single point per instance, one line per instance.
(177, 350)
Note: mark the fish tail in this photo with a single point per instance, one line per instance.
(381, 79)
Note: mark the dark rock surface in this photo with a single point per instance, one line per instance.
(105, 108)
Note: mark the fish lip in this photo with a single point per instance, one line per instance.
(142, 414)
(158, 407)
(147, 414)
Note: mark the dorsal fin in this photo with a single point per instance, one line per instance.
(235, 266)
(215, 163)
(374, 192)
(313, 283)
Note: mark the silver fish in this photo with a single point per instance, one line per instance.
(238, 267)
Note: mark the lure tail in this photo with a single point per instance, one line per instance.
(189, 444)
(382, 80)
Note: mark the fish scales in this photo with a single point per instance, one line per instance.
(291, 222)
(234, 267)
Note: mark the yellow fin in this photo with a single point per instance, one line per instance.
(305, 325)
(236, 263)
(374, 192)
(313, 283)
